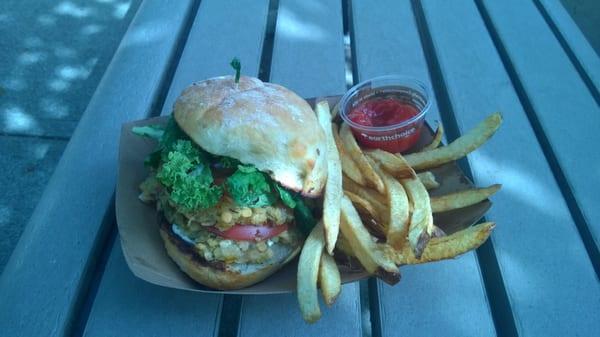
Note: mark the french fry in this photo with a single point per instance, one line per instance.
(316, 178)
(437, 139)
(364, 206)
(458, 148)
(308, 272)
(395, 165)
(421, 217)
(364, 192)
(428, 179)
(364, 248)
(462, 199)
(349, 167)
(359, 158)
(397, 201)
(329, 279)
(445, 247)
(333, 189)
(335, 111)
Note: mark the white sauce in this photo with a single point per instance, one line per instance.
(177, 230)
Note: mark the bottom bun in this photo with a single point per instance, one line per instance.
(220, 275)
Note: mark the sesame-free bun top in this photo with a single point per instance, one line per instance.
(257, 123)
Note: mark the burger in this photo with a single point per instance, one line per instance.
(234, 178)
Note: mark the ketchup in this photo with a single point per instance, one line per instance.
(386, 112)
(382, 112)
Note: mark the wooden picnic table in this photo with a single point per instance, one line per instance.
(537, 276)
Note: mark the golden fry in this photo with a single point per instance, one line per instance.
(421, 218)
(397, 200)
(329, 279)
(395, 165)
(349, 167)
(364, 248)
(359, 158)
(445, 247)
(428, 179)
(366, 207)
(333, 189)
(458, 148)
(437, 139)
(377, 200)
(308, 272)
(462, 199)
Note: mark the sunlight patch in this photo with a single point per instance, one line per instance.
(31, 57)
(54, 108)
(16, 120)
(91, 29)
(46, 20)
(295, 28)
(71, 9)
(121, 9)
(58, 85)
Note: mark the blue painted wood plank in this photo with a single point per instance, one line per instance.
(548, 277)
(50, 267)
(223, 30)
(567, 114)
(308, 51)
(279, 315)
(127, 306)
(308, 57)
(387, 41)
(576, 41)
(181, 313)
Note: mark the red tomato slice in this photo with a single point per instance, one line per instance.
(249, 232)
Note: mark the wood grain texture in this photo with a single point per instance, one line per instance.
(308, 51)
(305, 61)
(50, 266)
(423, 303)
(575, 39)
(174, 312)
(551, 285)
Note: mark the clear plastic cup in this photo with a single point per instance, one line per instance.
(401, 101)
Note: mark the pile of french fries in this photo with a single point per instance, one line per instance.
(378, 211)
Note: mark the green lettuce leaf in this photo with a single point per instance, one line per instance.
(286, 196)
(150, 131)
(188, 177)
(303, 215)
(250, 187)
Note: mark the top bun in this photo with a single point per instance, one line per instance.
(257, 123)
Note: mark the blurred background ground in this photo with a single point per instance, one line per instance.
(52, 56)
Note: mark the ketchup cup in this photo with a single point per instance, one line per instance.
(386, 112)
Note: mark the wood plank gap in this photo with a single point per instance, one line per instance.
(24, 135)
(160, 99)
(570, 53)
(96, 270)
(230, 316)
(504, 320)
(374, 308)
(264, 70)
(581, 223)
(352, 62)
